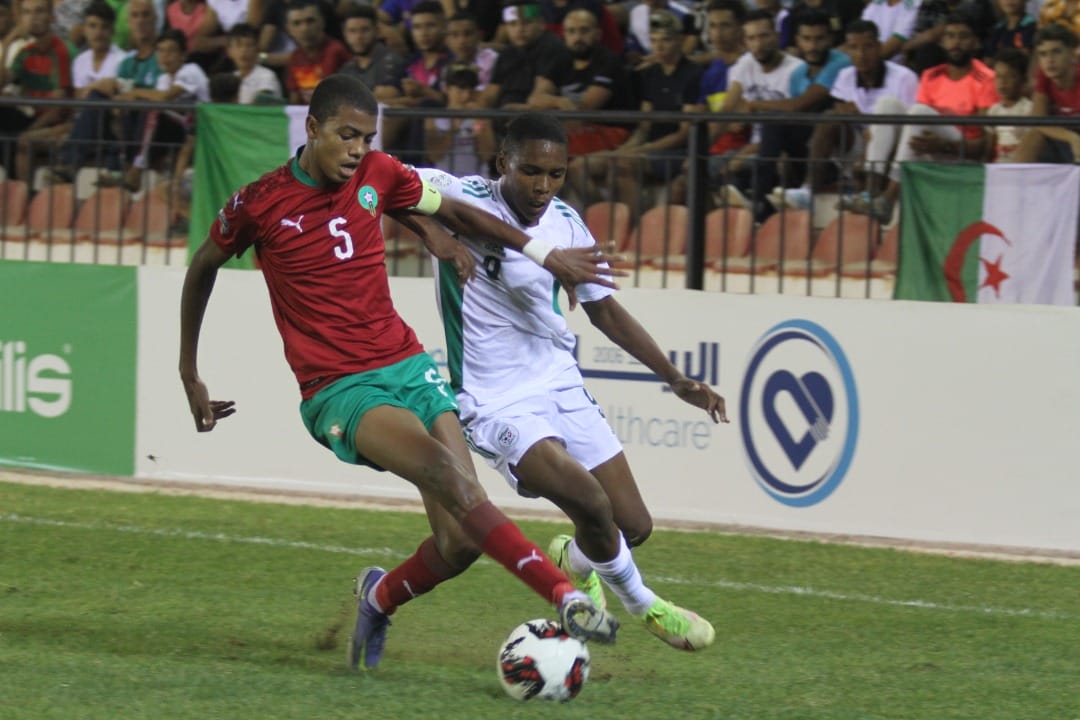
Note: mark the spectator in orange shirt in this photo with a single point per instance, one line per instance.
(317, 56)
(961, 85)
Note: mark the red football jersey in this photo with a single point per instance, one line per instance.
(322, 255)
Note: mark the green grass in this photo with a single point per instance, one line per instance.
(116, 605)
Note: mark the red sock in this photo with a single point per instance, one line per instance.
(501, 539)
(424, 569)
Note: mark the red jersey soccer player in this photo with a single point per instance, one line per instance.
(370, 392)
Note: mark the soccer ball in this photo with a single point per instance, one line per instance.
(539, 660)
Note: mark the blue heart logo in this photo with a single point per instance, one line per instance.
(814, 399)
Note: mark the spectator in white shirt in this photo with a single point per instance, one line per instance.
(256, 81)
(895, 20)
(858, 89)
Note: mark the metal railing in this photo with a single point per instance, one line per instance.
(713, 247)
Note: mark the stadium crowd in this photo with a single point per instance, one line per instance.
(919, 57)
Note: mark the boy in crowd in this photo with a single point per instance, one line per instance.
(1057, 92)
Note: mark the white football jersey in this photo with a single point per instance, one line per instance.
(505, 333)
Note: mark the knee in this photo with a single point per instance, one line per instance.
(889, 105)
(590, 511)
(920, 109)
(637, 531)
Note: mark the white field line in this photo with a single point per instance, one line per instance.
(396, 555)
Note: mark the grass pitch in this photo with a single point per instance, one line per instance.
(116, 605)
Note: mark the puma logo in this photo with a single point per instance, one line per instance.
(532, 557)
(285, 222)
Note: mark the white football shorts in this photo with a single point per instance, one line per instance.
(571, 416)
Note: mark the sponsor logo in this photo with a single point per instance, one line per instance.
(798, 413)
(39, 384)
(440, 180)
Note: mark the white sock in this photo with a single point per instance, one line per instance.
(579, 564)
(622, 576)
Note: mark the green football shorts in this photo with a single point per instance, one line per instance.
(334, 413)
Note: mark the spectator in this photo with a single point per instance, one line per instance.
(1061, 12)
(638, 44)
(420, 83)
(1057, 92)
(895, 20)
(257, 83)
(858, 89)
(841, 13)
(41, 69)
(555, 12)
(653, 151)
(461, 146)
(595, 80)
(317, 54)
(533, 53)
(723, 22)
(463, 42)
(189, 17)
(487, 13)
(179, 81)
(924, 49)
(960, 86)
(1015, 29)
(764, 74)
(1010, 79)
(373, 62)
(93, 73)
(810, 88)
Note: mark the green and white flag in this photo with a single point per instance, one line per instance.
(998, 233)
(235, 145)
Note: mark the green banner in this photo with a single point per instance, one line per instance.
(67, 366)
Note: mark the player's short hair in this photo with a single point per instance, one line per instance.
(243, 30)
(361, 12)
(337, 90)
(808, 17)
(735, 7)
(757, 16)
(862, 27)
(175, 36)
(1056, 33)
(532, 126)
(101, 10)
(1014, 58)
(429, 7)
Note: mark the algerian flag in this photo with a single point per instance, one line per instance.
(236, 145)
(988, 233)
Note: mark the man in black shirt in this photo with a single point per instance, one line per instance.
(596, 80)
(533, 53)
(655, 151)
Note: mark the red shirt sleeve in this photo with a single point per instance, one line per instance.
(922, 95)
(234, 229)
(403, 185)
(63, 58)
(339, 56)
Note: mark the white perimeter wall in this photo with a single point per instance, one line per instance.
(967, 416)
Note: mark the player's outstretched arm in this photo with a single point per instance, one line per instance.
(439, 243)
(198, 284)
(612, 319)
(572, 266)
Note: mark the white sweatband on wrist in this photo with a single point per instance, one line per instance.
(537, 250)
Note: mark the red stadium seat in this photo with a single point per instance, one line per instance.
(609, 223)
(660, 234)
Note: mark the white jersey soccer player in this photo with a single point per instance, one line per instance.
(510, 351)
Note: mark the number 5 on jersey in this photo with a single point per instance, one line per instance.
(345, 250)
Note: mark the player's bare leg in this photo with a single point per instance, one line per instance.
(598, 547)
(395, 439)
